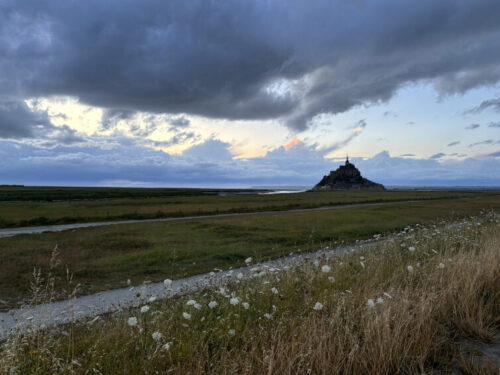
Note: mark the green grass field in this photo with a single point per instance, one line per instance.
(29, 213)
(105, 257)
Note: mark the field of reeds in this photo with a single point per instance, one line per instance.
(192, 202)
(406, 306)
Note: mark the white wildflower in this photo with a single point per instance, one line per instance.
(316, 264)
(370, 303)
(245, 305)
(441, 265)
(166, 346)
(167, 283)
(212, 304)
(144, 309)
(234, 301)
(156, 336)
(191, 302)
(129, 282)
(387, 295)
(231, 332)
(152, 299)
(380, 300)
(409, 268)
(186, 316)
(274, 290)
(362, 264)
(239, 276)
(197, 306)
(362, 258)
(268, 316)
(331, 279)
(318, 306)
(326, 268)
(248, 260)
(132, 321)
(411, 248)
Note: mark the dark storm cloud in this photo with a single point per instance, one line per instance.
(281, 59)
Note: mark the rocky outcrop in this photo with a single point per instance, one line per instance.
(347, 177)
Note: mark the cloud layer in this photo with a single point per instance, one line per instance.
(124, 162)
(285, 60)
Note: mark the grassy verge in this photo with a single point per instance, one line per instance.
(399, 308)
(106, 257)
(19, 214)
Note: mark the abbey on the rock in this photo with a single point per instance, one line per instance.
(347, 177)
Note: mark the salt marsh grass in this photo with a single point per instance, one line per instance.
(105, 258)
(363, 313)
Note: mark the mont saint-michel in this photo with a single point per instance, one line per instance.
(346, 177)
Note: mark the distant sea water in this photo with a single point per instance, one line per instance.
(283, 192)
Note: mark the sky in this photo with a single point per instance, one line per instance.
(206, 93)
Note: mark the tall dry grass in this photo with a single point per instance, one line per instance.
(399, 308)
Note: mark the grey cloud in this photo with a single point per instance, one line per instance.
(494, 154)
(494, 125)
(486, 142)
(472, 126)
(359, 124)
(407, 155)
(358, 129)
(390, 113)
(454, 143)
(18, 121)
(492, 103)
(180, 122)
(180, 138)
(438, 155)
(111, 116)
(228, 59)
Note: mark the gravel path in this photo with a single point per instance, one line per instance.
(9, 232)
(113, 300)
